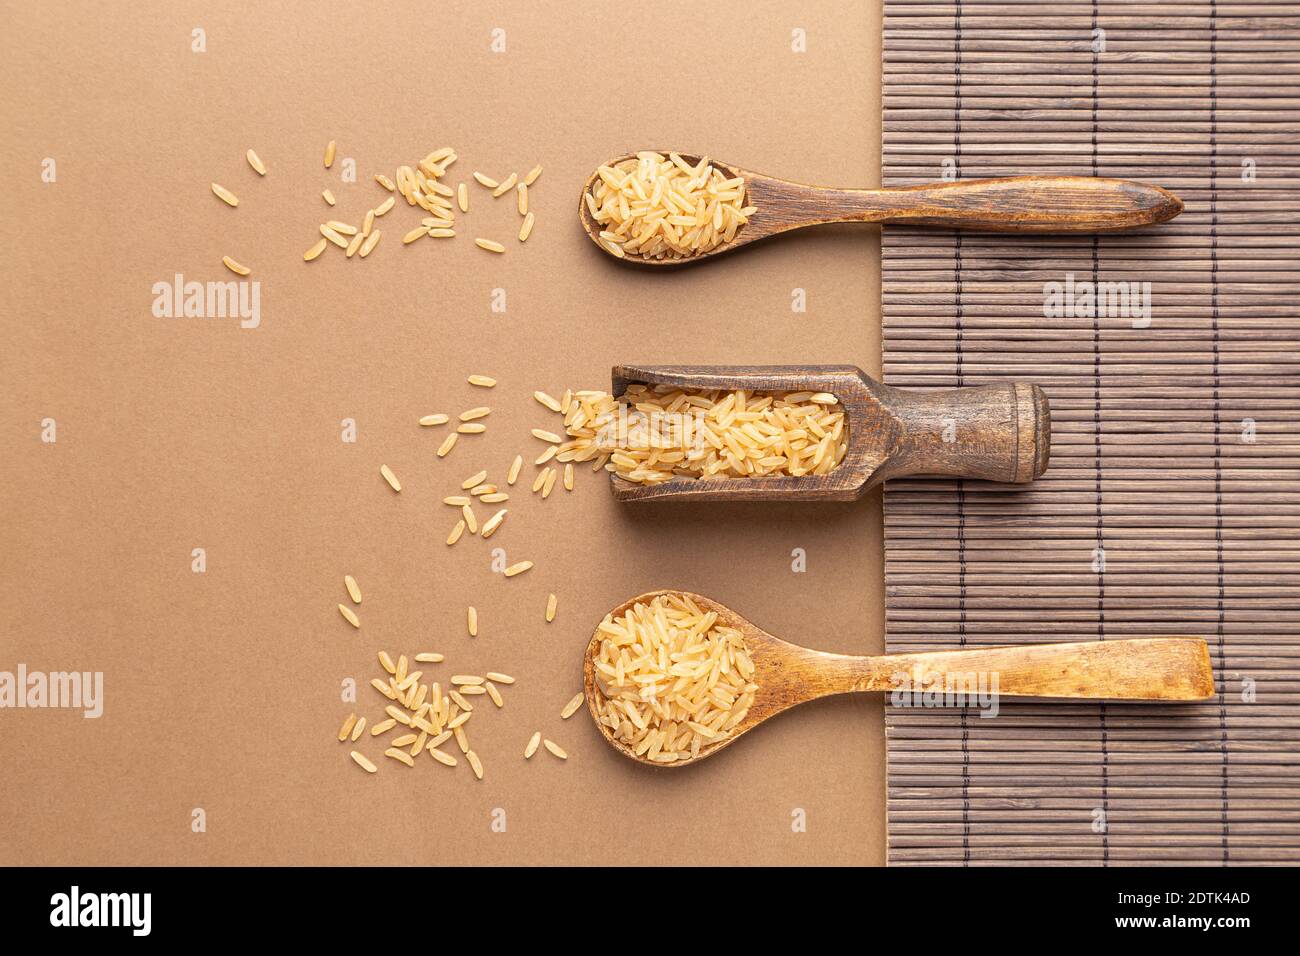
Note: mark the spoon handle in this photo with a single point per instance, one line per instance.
(1013, 204)
(1175, 668)
(995, 432)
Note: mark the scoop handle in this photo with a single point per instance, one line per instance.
(997, 432)
(1028, 204)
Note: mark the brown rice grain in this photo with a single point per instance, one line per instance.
(238, 268)
(225, 195)
(540, 480)
(456, 532)
(390, 477)
(521, 199)
(490, 526)
(332, 236)
(256, 162)
(475, 763)
(568, 477)
(349, 616)
(532, 175)
(368, 223)
(342, 228)
(354, 591)
(471, 621)
(386, 662)
(526, 229)
(358, 729)
(346, 730)
(448, 444)
(547, 455)
(494, 497)
(383, 688)
(546, 400)
(459, 719)
(355, 244)
(533, 741)
(443, 758)
(482, 381)
(547, 436)
(383, 727)
(550, 608)
(518, 568)
(330, 149)
(506, 185)
(489, 245)
(384, 206)
(456, 501)
(428, 421)
(470, 521)
(513, 473)
(363, 763)
(487, 181)
(328, 196)
(429, 657)
(549, 483)
(499, 677)
(404, 740)
(571, 707)
(471, 428)
(462, 197)
(385, 182)
(481, 411)
(555, 748)
(314, 251)
(495, 694)
(419, 232)
(372, 240)
(400, 755)
(466, 679)
(462, 741)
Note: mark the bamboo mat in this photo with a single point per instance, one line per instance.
(1175, 450)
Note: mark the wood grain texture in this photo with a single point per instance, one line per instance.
(1200, 527)
(998, 432)
(1155, 670)
(1014, 203)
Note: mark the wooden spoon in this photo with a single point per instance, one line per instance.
(1011, 204)
(1143, 669)
(997, 432)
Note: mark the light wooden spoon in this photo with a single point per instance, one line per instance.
(1142, 669)
(1011, 204)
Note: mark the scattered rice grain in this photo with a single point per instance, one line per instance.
(390, 477)
(225, 195)
(363, 763)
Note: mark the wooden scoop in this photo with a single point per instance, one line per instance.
(998, 432)
(1012, 204)
(1144, 669)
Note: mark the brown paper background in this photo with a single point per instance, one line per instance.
(222, 688)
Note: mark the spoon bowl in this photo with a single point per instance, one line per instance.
(1140, 669)
(1052, 204)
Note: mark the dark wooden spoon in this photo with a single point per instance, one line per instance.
(1141, 669)
(997, 432)
(1011, 204)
